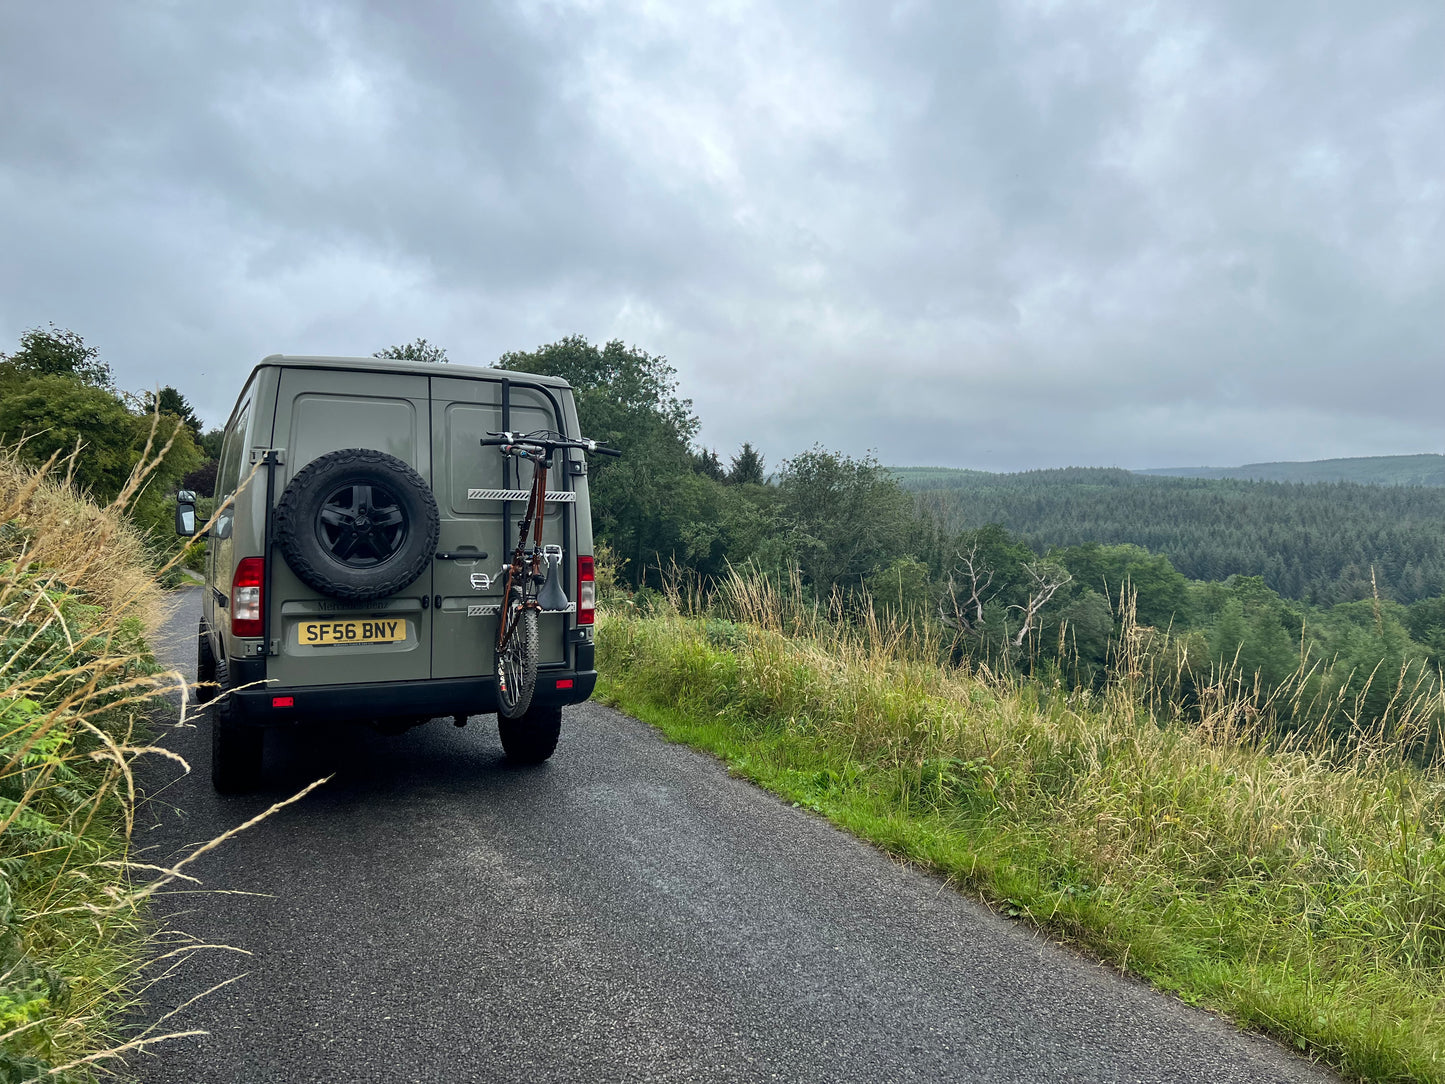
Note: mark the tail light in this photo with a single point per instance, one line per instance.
(246, 600)
(586, 590)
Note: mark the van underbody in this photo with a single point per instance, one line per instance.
(274, 705)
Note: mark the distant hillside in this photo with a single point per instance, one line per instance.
(1317, 542)
(1377, 470)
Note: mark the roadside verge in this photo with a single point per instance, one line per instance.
(1299, 895)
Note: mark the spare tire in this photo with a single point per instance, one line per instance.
(357, 524)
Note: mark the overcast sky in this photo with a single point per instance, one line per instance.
(994, 235)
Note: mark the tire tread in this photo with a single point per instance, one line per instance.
(293, 527)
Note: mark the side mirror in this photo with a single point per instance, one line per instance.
(185, 513)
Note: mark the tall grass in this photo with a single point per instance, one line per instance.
(79, 596)
(77, 599)
(1298, 884)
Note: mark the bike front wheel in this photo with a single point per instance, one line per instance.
(517, 665)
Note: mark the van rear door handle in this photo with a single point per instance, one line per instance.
(467, 555)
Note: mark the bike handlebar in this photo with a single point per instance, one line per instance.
(548, 440)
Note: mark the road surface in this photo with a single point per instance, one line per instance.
(626, 912)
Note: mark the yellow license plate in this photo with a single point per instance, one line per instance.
(377, 630)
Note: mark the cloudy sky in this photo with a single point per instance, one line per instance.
(997, 235)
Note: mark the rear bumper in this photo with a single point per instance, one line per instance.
(440, 696)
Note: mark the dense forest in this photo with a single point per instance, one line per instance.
(1320, 543)
(1375, 470)
(1316, 604)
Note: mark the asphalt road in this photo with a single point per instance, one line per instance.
(627, 912)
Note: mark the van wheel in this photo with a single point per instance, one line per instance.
(357, 524)
(235, 748)
(205, 666)
(532, 737)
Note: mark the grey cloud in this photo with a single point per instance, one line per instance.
(1004, 235)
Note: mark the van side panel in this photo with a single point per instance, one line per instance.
(221, 548)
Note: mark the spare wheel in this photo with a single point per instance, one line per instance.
(357, 524)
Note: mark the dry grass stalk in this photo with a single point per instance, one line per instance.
(78, 595)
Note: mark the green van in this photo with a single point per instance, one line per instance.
(352, 571)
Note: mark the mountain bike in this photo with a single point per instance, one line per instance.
(528, 589)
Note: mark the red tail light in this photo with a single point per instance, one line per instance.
(246, 600)
(586, 591)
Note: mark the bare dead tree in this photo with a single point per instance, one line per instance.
(1048, 578)
(967, 615)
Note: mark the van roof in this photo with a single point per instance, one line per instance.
(388, 365)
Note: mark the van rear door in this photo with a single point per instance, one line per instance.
(320, 411)
(481, 496)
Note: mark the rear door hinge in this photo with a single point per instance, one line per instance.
(274, 456)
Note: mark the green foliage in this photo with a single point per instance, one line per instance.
(1379, 470)
(59, 400)
(844, 517)
(1085, 625)
(1067, 611)
(1163, 597)
(903, 587)
(55, 352)
(707, 463)
(174, 404)
(1301, 892)
(651, 504)
(1317, 543)
(54, 414)
(62, 693)
(1425, 621)
(747, 467)
(417, 350)
(625, 396)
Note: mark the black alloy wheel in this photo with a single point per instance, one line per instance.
(361, 525)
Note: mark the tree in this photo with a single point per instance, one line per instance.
(901, 587)
(747, 467)
(419, 350)
(616, 387)
(174, 403)
(54, 414)
(628, 398)
(203, 479)
(1045, 579)
(846, 517)
(55, 352)
(707, 463)
(1088, 625)
(1161, 592)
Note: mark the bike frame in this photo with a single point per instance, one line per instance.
(532, 521)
